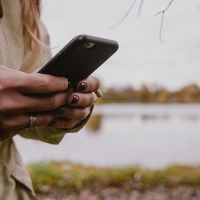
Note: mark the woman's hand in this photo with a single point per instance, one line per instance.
(78, 105)
(44, 96)
(22, 94)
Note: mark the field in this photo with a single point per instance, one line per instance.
(73, 181)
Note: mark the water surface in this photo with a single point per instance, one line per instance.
(152, 136)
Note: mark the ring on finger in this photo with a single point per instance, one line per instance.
(32, 122)
(99, 93)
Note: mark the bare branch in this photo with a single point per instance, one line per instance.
(165, 9)
(140, 7)
(161, 27)
(162, 20)
(125, 15)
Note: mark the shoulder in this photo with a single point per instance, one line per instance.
(11, 34)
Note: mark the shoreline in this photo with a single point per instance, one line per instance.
(68, 181)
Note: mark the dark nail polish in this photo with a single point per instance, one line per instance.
(82, 86)
(51, 123)
(74, 100)
(59, 111)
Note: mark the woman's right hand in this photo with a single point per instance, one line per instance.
(22, 94)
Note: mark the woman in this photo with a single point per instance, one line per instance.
(33, 105)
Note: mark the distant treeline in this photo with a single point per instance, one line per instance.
(188, 94)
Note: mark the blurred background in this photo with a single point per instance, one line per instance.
(149, 115)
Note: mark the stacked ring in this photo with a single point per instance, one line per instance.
(32, 122)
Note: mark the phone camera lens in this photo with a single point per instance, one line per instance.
(89, 45)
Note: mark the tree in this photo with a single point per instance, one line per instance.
(139, 12)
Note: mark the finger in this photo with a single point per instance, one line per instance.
(74, 113)
(90, 84)
(81, 99)
(20, 122)
(63, 123)
(13, 122)
(41, 83)
(9, 134)
(32, 83)
(46, 102)
(99, 93)
(21, 104)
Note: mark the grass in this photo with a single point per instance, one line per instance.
(73, 178)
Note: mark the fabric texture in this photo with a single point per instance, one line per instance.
(15, 183)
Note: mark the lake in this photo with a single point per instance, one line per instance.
(150, 135)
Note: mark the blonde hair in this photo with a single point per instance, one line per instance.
(30, 17)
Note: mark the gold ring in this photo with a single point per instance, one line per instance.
(32, 122)
(99, 93)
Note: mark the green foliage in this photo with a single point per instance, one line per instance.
(94, 123)
(72, 178)
(188, 94)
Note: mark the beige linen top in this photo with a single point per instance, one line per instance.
(15, 183)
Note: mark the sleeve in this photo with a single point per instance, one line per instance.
(51, 135)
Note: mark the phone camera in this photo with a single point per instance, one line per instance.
(89, 45)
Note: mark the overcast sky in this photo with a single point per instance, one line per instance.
(141, 58)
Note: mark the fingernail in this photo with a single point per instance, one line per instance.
(99, 93)
(74, 100)
(59, 111)
(51, 123)
(82, 86)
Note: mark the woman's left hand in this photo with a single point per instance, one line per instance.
(78, 106)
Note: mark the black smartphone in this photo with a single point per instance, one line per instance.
(80, 58)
